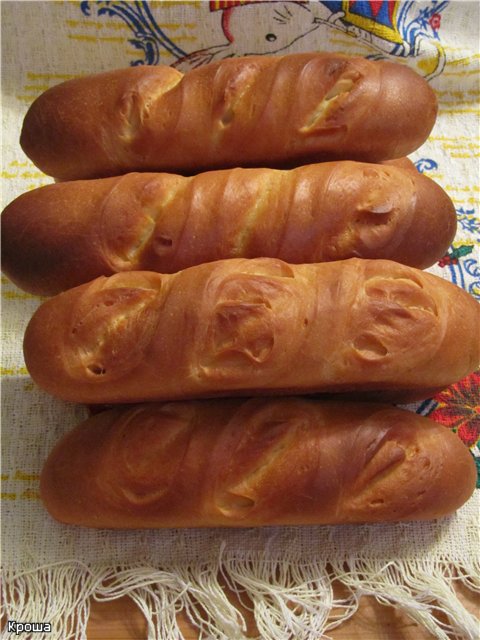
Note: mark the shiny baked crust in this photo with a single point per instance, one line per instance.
(260, 326)
(255, 462)
(248, 111)
(64, 234)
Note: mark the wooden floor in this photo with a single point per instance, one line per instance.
(121, 620)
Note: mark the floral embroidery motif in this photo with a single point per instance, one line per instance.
(458, 408)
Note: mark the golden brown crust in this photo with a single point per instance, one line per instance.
(253, 463)
(251, 111)
(62, 235)
(252, 327)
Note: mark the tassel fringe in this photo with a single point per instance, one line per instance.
(291, 599)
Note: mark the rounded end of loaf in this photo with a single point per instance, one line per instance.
(50, 237)
(400, 88)
(42, 344)
(403, 454)
(434, 227)
(440, 321)
(366, 114)
(53, 134)
(82, 128)
(458, 477)
(81, 341)
(391, 212)
(67, 480)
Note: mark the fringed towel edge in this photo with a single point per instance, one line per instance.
(289, 597)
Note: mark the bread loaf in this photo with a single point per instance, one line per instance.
(62, 235)
(259, 326)
(249, 111)
(255, 462)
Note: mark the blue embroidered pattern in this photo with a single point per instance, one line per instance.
(148, 36)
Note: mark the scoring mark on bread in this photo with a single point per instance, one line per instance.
(135, 104)
(137, 220)
(383, 456)
(134, 251)
(318, 120)
(370, 346)
(109, 331)
(268, 186)
(259, 451)
(405, 292)
(253, 453)
(241, 330)
(162, 243)
(394, 315)
(97, 369)
(233, 504)
(148, 450)
(230, 95)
